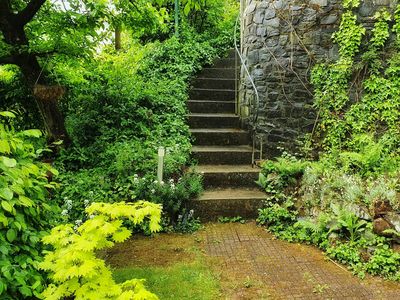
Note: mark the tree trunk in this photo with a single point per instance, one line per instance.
(46, 97)
(14, 35)
(117, 42)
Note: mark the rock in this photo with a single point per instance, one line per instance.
(262, 31)
(258, 16)
(382, 207)
(278, 4)
(380, 225)
(329, 20)
(269, 14)
(272, 31)
(319, 2)
(394, 219)
(272, 22)
(251, 7)
(359, 211)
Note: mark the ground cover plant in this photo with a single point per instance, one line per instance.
(346, 185)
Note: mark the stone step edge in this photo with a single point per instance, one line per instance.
(213, 169)
(212, 90)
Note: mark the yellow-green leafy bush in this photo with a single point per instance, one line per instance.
(74, 268)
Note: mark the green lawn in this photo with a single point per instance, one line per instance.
(192, 281)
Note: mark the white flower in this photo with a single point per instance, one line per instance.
(179, 217)
(171, 181)
(162, 182)
(135, 180)
(155, 181)
(78, 222)
(153, 191)
(172, 186)
(86, 202)
(64, 212)
(91, 216)
(91, 193)
(135, 176)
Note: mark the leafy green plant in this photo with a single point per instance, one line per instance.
(74, 268)
(347, 223)
(237, 219)
(26, 213)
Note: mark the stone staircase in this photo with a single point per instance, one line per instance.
(221, 147)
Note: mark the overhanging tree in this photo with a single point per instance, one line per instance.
(34, 31)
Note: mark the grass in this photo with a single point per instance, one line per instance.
(179, 281)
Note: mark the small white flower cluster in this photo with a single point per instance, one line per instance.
(68, 207)
(77, 224)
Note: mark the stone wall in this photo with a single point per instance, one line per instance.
(281, 41)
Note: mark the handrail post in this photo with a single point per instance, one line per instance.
(254, 109)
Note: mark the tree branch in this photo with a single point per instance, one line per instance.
(25, 15)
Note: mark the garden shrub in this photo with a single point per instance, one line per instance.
(76, 272)
(26, 214)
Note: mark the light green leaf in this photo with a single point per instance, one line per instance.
(25, 201)
(186, 10)
(11, 235)
(4, 220)
(32, 133)
(6, 193)
(4, 147)
(7, 114)
(9, 162)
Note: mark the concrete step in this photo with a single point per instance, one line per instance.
(213, 121)
(229, 202)
(212, 94)
(225, 63)
(220, 136)
(228, 175)
(214, 83)
(210, 106)
(218, 73)
(223, 155)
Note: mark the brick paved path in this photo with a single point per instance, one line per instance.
(286, 271)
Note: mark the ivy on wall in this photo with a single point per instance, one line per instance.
(359, 93)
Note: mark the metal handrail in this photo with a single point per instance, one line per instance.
(254, 110)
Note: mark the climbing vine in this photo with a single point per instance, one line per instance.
(359, 93)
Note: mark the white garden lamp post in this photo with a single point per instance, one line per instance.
(161, 154)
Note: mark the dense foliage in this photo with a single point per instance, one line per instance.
(358, 94)
(330, 202)
(25, 212)
(326, 210)
(74, 268)
(120, 106)
(135, 102)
